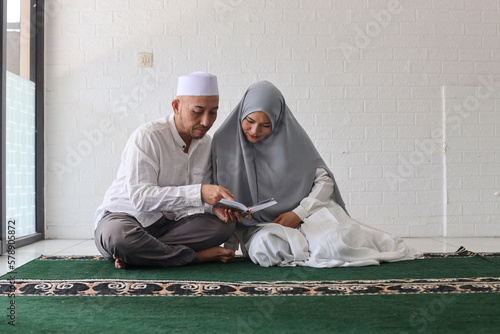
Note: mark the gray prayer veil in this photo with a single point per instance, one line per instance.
(282, 165)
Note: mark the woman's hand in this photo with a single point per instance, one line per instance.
(288, 219)
(227, 216)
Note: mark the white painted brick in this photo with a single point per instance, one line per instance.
(343, 79)
(413, 132)
(283, 3)
(394, 66)
(198, 53)
(481, 29)
(383, 210)
(244, 53)
(299, 15)
(195, 41)
(434, 171)
(335, 119)
(429, 197)
(346, 49)
(316, 132)
(299, 41)
(378, 185)
(308, 54)
(475, 55)
(349, 159)
(399, 41)
(487, 68)
(459, 170)
(488, 195)
(480, 208)
(310, 80)
(353, 185)
(377, 79)
(465, 16)
(398, 145)
(365, 146)
(282, 28)
(347, 133)
(332, 146)
(489, 144)
(381, 132)
(110, 5)
(280, 79)
(126, 17)
(267, 41)
(404, 14)
(415, 184)
(442, 54)
(292, 93)
(380, 105)
(337, 15)
(487, 169)
(416, 28)
(365, 198)
(377, 53)
(418, 231)
(487, 230)
(364, 119)
(361, 92)
(355, 4)
(432, 15)
(326, 93)
(399, 197)
(365, 172)
(426, 67)
(425, 93)
(443, 80)
(421, 210)
(260, 66)
(398, 119)
(411, 80)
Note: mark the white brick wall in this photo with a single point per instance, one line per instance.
(370, 80)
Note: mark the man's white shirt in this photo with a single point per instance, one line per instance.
(157, 178)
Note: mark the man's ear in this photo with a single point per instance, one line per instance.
(175, 105)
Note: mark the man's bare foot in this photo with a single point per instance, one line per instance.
(119, 264)
(215, 254)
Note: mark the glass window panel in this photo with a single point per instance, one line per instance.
(20, 153)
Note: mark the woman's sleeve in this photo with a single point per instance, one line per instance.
(320, 195)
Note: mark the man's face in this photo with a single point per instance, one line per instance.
(195, 115)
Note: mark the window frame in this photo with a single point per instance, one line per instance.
(37, 25)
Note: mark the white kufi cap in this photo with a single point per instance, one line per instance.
(197, 84)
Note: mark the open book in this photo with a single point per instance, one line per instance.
(237, 206)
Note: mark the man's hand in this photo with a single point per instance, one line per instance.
(211, 194)
(227, 215)
(288, 219)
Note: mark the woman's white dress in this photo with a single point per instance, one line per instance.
(327, 238)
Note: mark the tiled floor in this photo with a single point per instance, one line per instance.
(87, 247)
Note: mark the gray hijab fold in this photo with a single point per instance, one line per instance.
(282, 165)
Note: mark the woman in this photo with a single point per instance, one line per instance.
(262, 152)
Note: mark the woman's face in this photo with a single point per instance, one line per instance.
(256, 126)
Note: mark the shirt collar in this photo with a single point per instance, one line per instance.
(177, 137)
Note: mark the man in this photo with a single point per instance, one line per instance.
(158, 210)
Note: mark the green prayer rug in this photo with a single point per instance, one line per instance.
(442, 293)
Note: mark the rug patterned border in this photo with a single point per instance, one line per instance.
(116, 287)
(113, 287)
(461, 252)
